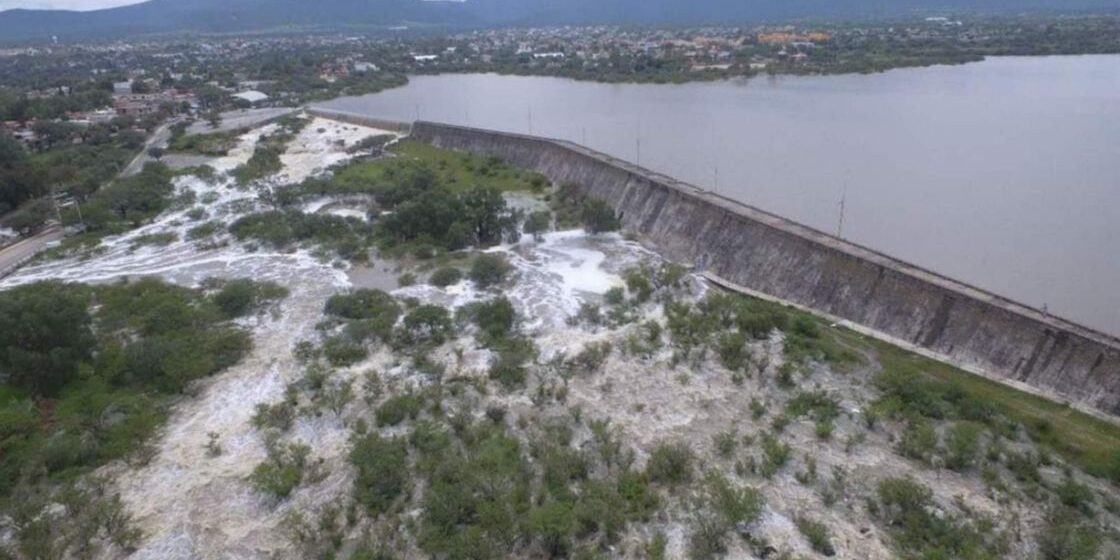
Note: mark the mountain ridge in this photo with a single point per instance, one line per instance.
(210, 16)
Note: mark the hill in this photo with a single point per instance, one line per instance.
(167, 16)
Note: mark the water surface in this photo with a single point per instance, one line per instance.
(1004, 174)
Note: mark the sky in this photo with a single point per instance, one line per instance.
(63, 4)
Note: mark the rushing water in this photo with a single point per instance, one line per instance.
(1004, 174)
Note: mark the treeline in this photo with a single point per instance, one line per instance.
(74, 162)
(87, 374)
(22, 108)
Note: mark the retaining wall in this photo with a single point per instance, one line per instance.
(764, 253)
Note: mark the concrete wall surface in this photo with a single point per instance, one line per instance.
(761, 252)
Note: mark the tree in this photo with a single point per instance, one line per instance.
(214, 118)
(599, 217)
(155, 152)
(538, 223)
(44, 335)
(484, 209)
(382, 471)
(31, 217)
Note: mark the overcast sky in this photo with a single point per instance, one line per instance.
(64, 4)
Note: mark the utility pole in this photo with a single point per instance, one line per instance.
(530, 119)
(843, 202)
(584, 136)
(639, 142)
(716, 188)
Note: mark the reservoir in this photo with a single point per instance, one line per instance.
(1004, 174)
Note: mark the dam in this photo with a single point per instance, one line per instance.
(748, 250)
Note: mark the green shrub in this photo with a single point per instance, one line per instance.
(489, 270)
(599, 217)
(445, 277)
(282, 471)
(373, 312)
(733, 505)
(495, 318)
(1075, 495)
(670, 464)
(919, 440)
(341, 351)
(818, 535)
(398, 409)
(427, 324)
(383, 473)
(907, 508)
(1066, 538)
(775, 455)
(538, 223)
(237, 298)
(962, 445)
(278, 416)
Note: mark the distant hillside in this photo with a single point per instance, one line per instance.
(163, 16)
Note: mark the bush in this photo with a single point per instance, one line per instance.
(495, 318)
(45, 333)
(341, 351)
(282, 471)
(670, 464)
(919, 440)
(962, 445)
(733, 505)
(1066, 538)
(382, 471)
(427, 324)
(445, 277)
(489, 270)
(240, 297)
(906, 506)
(538, 223)
(1075, 495)
(399, 408)
(775, 455)
(820, 538)
(376, 310)
(599, 217)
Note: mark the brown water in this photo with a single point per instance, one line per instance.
(1004, 174)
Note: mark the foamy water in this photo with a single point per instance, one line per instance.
(190, 505)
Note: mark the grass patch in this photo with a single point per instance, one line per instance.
(1088, 442)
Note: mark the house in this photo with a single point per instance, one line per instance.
(252, 97)
(122, 88)
(424, 57)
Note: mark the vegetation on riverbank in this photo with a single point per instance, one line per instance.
(88, 376)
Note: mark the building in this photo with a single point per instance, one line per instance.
(252, 97)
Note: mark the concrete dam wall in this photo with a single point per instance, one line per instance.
(745, 248)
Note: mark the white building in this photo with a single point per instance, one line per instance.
(251, 96)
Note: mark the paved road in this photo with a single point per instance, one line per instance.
(159, 139)
(13, 256)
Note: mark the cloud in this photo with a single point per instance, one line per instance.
(82, 5)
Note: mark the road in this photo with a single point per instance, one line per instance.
(159, 139)
(13, 256)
